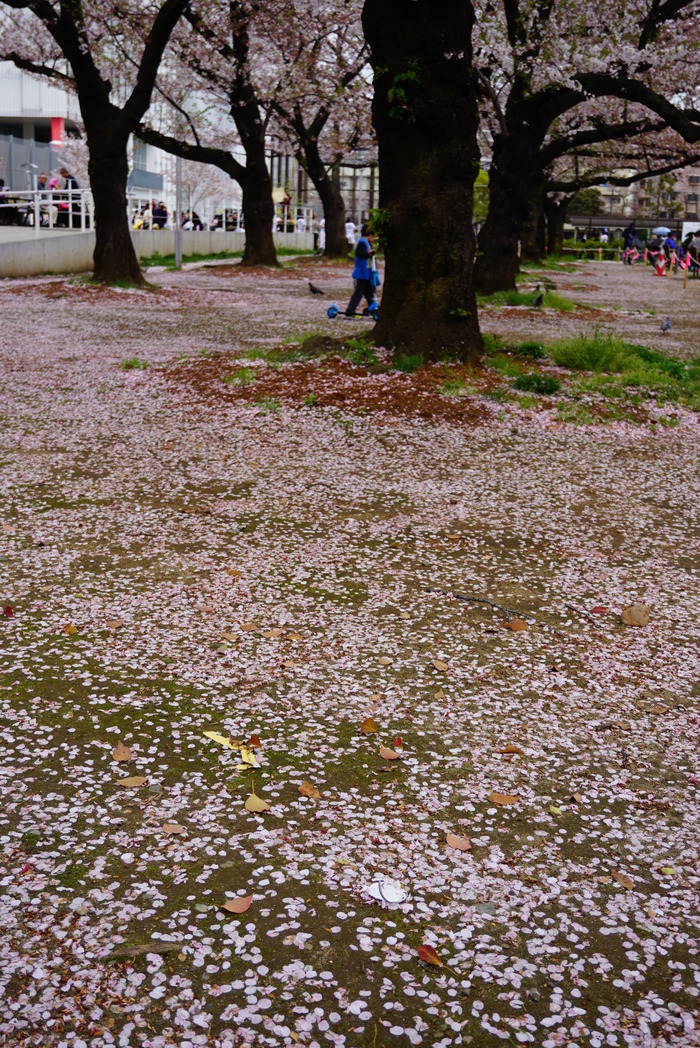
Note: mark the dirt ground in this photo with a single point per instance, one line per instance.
(394, 602)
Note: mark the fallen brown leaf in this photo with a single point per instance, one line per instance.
(255, 803)
(308, 790)
(510, 748)
(504, 798)
(227, 635)
(233, 573)
(238, 905)
(254, 742)
(114, 624)
(440, 694)
(441, 666)
(172, 828)
(132, 781)
(70, 628)
(516, 625)
(121, 752)
(294, 636)
(387, 754)
(623, 879)
(460, 843)
(248, 627)
(429, 955)
(368, 726)
(385, 661)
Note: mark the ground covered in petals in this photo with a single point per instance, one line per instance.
(321, 723)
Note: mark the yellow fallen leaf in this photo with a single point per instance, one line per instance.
(555, 810)
(172, 827)
(70, 628)
(233, 573)
(307, 789)
(221, 739)
(248, 756)
(387, 754)
(460, 843)
(368, 726)
(442, 666)
(623, 879)
(504, 798)
(516, 625)
(238, 905)
(255, 803)
(121, 752)
(132, 781)
(294, 1036)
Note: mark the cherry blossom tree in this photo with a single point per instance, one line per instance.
(209, 83)
(538, 62)
(321, 97)
(425, 118)
(77, 45)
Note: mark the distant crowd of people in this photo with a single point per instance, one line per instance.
(59, 202)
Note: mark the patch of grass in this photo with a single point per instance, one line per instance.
(537, 383)
(134, 363)
(268, 405)
(407, 362)
(493, 344)
(529, 350)
(242, 377)
(168, 261)
(311, 400)
(505, 365)
(457, 387)
(639, 368)
(552, 300)
(361, 352)
(498, 394)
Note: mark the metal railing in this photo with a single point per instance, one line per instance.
(47, 209)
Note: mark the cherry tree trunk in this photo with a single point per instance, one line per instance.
(258, 214)
(425, 117)
(114, 257)
(514, 185)
(336, 240)
(556, 218)
(534, 243)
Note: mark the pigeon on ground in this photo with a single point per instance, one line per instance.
(666, 325)
(315, 290)
(539, 300)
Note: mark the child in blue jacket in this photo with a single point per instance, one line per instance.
(362, 273)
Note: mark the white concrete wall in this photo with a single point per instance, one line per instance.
(72, 252)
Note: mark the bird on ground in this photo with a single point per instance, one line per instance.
(315, 290)
(539, 300)
(666, 325)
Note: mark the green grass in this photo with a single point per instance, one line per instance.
(407, 362)
(505, 365)
(311, 400)
(361, 352)
(457, 387)
(641, 370)
(242, 377)
(529, 350)
(168, 261)
(268, 405)
(534, 382)
(134, 363)
(526, 298)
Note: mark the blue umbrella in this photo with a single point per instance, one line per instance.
(661, 231)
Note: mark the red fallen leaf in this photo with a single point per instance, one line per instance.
(599, 611)
(429, 955)
(368, 726)
(238, 905)
(516, 625)
(8, 612)
(255, 742)
(397, 744)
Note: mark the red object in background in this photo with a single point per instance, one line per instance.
(598, 611)
(8, 612)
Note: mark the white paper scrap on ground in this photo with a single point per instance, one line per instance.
(386, 891)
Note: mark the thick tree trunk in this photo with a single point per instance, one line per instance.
(114, 257)
(555, 211)
(513, 188)
(258, 214)
(336, 241)
(534, 235)
(425, 117)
